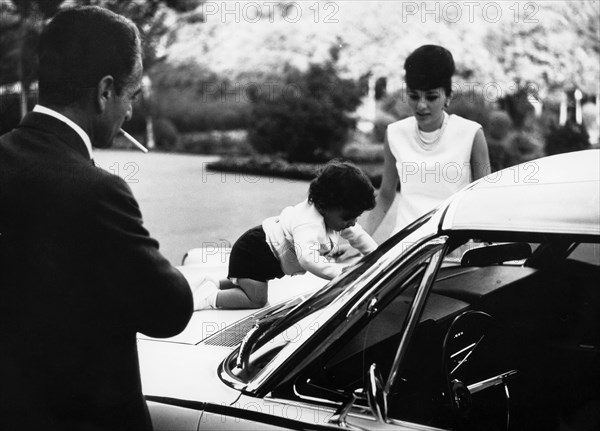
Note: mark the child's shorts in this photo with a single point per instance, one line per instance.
(251, 257)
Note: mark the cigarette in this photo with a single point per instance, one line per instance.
(133, 141)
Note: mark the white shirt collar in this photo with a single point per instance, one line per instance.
(84, 136)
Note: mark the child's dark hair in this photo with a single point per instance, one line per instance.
(342, 185)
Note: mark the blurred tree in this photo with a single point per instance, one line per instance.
(583, 17)
(307, 119)
(21, 22)
(547, 43)
(553, 46)
(151, 18)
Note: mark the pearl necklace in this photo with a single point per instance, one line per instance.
(428, 143)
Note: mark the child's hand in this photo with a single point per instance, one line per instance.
(344, 252)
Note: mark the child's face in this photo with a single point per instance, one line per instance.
(339, 219)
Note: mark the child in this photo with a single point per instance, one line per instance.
(302, 238)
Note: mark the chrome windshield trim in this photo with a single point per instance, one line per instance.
(321, 318)
(313, 399)
(396, 253)
(228, 378)
(416, 309)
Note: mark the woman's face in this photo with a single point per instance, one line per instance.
(428, 107)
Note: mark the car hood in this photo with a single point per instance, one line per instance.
(207, 323)
(184, 371)
(185, 366)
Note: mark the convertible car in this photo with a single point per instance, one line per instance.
(482, 315)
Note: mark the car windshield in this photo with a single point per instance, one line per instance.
(292, 320)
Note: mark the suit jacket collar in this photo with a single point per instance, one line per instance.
(61, 130)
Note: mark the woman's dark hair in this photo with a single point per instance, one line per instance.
(342, 185)
(79, 47)
(429, 67)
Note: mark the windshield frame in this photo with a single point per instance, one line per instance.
(338, 301)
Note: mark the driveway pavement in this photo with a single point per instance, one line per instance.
(186, 206)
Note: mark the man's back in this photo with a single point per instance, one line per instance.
(79, 276)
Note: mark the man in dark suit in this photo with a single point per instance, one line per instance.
(79, 274)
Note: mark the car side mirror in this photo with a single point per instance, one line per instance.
(375, 394)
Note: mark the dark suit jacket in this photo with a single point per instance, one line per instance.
(79, 276)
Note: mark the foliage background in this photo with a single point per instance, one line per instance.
(208, 60)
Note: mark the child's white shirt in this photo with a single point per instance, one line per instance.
(301, 242)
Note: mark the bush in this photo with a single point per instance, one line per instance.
(497, 136)
(194, 98)
(472, 106)
(360, 149)
(165, 134)
(265, 165)
(229, 142)
(189, 112)
(396, 105)
(567, 138)
(310, 125)
(499, 125)
(382, 120)
(10, 109)
(523, 147)
(517, 105)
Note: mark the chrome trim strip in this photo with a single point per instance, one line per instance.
(270, 398)
(314, 399)
(415, 311)
(229, 379)
(358, 412)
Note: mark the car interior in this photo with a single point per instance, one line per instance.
(530, 320)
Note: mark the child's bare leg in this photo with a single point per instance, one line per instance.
(247, 294)
(226, 283)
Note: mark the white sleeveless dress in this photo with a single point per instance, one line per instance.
(429, 174)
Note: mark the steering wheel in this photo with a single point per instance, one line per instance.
(471, 356)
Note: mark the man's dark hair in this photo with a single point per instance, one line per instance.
(342, 185)
(429, 67)
(79, 47)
